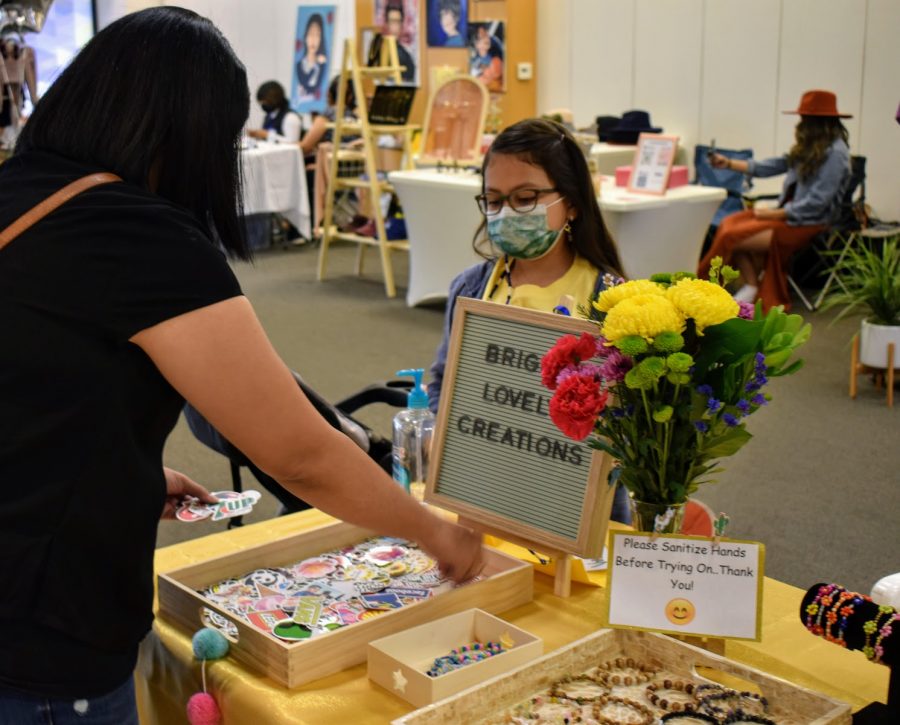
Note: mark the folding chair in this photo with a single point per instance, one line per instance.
(734, 182)
(847, 227)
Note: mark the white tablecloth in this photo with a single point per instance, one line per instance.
(659, 233)
(441, 218)
(275, 181)
(653, 233)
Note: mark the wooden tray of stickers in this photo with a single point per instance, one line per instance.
(789, 704)
(506, 582)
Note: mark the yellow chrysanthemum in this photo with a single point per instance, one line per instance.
(644, 315)
(614, 295)
(704, 302)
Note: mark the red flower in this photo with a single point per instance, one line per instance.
(568, 350)
(575, 405)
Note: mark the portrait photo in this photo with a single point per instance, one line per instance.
(313, 52)
(447, 23)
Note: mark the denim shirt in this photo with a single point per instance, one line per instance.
(817, 198)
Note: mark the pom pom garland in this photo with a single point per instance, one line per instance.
(209, 644)
(203, 710)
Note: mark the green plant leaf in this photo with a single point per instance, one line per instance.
(726, 444)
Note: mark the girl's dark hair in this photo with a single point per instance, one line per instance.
(814, 136)
(157, 94)
(273, 87)
(550, 146)
(316, 19)
(349, 95)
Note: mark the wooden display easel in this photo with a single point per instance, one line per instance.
(883, 377)
(351, 72)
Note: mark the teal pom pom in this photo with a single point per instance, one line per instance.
(209, 644)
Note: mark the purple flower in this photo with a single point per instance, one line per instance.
(730, 420)
(615, 366)
(746, 310)
(759, 399)
(602, 349)
(760, 364)
(744, 406)
(705, 389)
(567, 372)
(713, 405)
(701, 426)
(752, 386)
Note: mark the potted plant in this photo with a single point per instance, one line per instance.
(870, 285)
(668, 383)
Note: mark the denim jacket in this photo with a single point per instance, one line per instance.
(816, 199)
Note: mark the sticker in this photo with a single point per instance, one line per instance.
(418, 562)
(427, 579)
(265, 620)
(289, 630)
(308, 611)
(384, 555)
(371, 614)
(321, 590)
(395, 568)
(409, 592)
(346, 613)
(315, 568)
(383, 600)
(230, 504)
(373, 585)
(267, 604)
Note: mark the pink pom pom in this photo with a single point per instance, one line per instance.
(203, 710)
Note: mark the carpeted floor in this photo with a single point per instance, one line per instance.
(819, 484)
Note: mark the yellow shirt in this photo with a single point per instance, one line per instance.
(579, 283)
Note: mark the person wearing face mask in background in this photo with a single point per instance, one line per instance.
(280, 122)
(547, 243)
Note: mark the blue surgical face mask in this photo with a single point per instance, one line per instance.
(523, 236)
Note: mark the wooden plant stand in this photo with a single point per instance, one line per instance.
(883, 377)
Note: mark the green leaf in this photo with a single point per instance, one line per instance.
(726, 444)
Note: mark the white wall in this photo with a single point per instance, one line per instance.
(725, 69)
(260, 31)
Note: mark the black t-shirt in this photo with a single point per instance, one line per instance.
(84, 415)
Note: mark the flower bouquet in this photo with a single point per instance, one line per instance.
(667, 385)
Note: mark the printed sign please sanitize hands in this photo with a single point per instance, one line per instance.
(686, 585)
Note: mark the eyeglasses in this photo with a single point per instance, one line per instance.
(521, 201)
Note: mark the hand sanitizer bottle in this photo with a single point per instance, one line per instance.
(413, 428)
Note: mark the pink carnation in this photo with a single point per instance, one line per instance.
(615, 366)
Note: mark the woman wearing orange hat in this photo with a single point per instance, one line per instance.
(817, 170)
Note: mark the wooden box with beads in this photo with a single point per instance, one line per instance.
(435, 660)
(630, 676)
(305, 606)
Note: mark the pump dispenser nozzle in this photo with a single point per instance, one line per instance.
(417, 397)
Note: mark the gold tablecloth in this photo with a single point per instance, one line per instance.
(167, 675)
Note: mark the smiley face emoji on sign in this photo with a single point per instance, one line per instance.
(680, 611)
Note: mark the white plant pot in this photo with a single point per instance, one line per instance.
(873, 344)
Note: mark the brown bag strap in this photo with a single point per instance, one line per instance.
(52, 202)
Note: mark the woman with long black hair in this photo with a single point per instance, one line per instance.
(760, 241)
(116, 306)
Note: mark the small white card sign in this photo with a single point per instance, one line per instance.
(686, 585)
(652, 164)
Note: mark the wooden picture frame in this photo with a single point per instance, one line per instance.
(523, 486)
(652, 164)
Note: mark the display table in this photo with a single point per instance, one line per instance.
(167, 675)
(658, 233)
(275, 182)
(441, 218)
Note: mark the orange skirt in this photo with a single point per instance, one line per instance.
(786, 241)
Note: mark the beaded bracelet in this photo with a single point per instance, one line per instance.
(687, 718)
(463, 656)
(610, 673)
(667, 704)
(649, 717)
(558, 689)
(531, 710)
(832, 616)
(871, 627)
(886, 630)
(708, 703)
(707, 689)
(816, 607)
(825, 602)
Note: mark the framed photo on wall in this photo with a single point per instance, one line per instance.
(487, 54)
(447, 23)
(652, 163)
(313, 51)
(400, 18)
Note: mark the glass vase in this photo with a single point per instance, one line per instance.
(644, 513)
